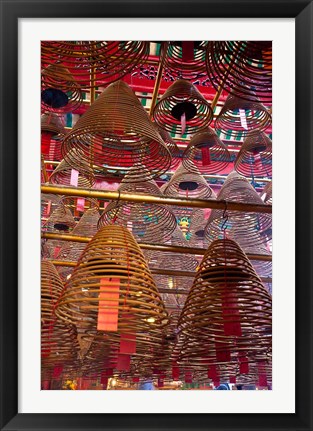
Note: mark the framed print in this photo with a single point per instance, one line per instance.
(156, 217)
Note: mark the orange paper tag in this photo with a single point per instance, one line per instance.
(108, 304)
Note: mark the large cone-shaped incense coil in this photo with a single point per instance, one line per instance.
(61, 220)
(51, 289)
(228, 310)
(115, 134)
(48, 204)
(188, 184)
(255, 156)
(51, 123)
(59, 90)
(239, 115)
(147, 222)
(186, 59)
(66, 175)
(112, 263)
(183, 103)
(242, 68)
(266, 194)
(206, 153)
(248, 229)
(109, 60)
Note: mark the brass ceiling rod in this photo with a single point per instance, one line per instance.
(155, 247)
(161, 200)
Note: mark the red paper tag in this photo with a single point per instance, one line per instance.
(128, 343)
(244, 366)
(188, 376)
(45, 143)
(222, 352)
(206, 158)
(232, 379)
(231, 314)
(216, 382)
(123, 363)
(136, 379)
(57, 371)
(175, 372)
(212, 372)
(56, 252)
(108, 304)
(262, 374)
(48, 208)
(187, 51)
(160, 383)
(80, 204)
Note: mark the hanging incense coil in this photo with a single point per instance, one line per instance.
(65, 175)
(182, 100)
(112, 253)
(108, 60)
(248, 229)
(186, 59)
(52, 124)
(80, 205)
(239, 115)
(147, 222)
(255, 156)
(206, 153)
(266, 194)
(48, 204)
(188, 184)
(242, 68)
(228, 310)
(51, 289)
(116, 134)
(59, 91)
(171, 146)
(61, 220)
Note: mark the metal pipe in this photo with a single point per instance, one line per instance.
(161, 200)
(155, 247)
(158, 78)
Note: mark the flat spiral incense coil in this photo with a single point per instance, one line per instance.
(109, 60)
(248, 229)
(59, 91)
(186, 59)
(51, 289)
(147, 222)
(188, 184)
(206, 153)
(255, 156)
(227, 310)
(111, 264)
(242, 68)
(184, 107)
(66, 175)
(266, 194)
(116, 134)
(239, 115)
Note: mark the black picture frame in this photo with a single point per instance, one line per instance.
(11, 11)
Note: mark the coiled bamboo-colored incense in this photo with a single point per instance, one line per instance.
(206, 153)
(239, 115)
(242, 68)
(183, 100)
(255, 156)
(51, 123)
(115, 134)
(112, 262)
(108, 60)
(249, 230)
(51, 289)
(227, 310)
(60, 92)
(186, 59)
(171, 146)
(61, 220)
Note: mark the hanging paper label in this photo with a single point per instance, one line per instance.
(222, 352)
(262, 374)
(206, 158)
(244, 366)
(175, 372)
(232, 379)
(48, 208)
(230, 312)
(212, 372)
(160, 383)
(45, 143)
(128, 344)
(243, 119)
(57, 371)
(187, 51)
(56, 252)
(108, 304)
(183, 123)
(136, 379)
(74, 177)
(123, 363)
(80, 204)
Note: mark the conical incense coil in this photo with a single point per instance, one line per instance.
(51, 123)
(188, 184)
(78, 206)
(61, 220)
(266, 194)
(171, 146)
(109, 60)
(59, 90)
(116, 134)
(206, 153)
(186, 59)
(242, 68)
(227, 313)
(111, 264)
(255, 156)
(248, 229)
(48, 204)
(198, 222)
(51, 289)
(66, 175)
(239, 115)
(148, 222)
(183, 106)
